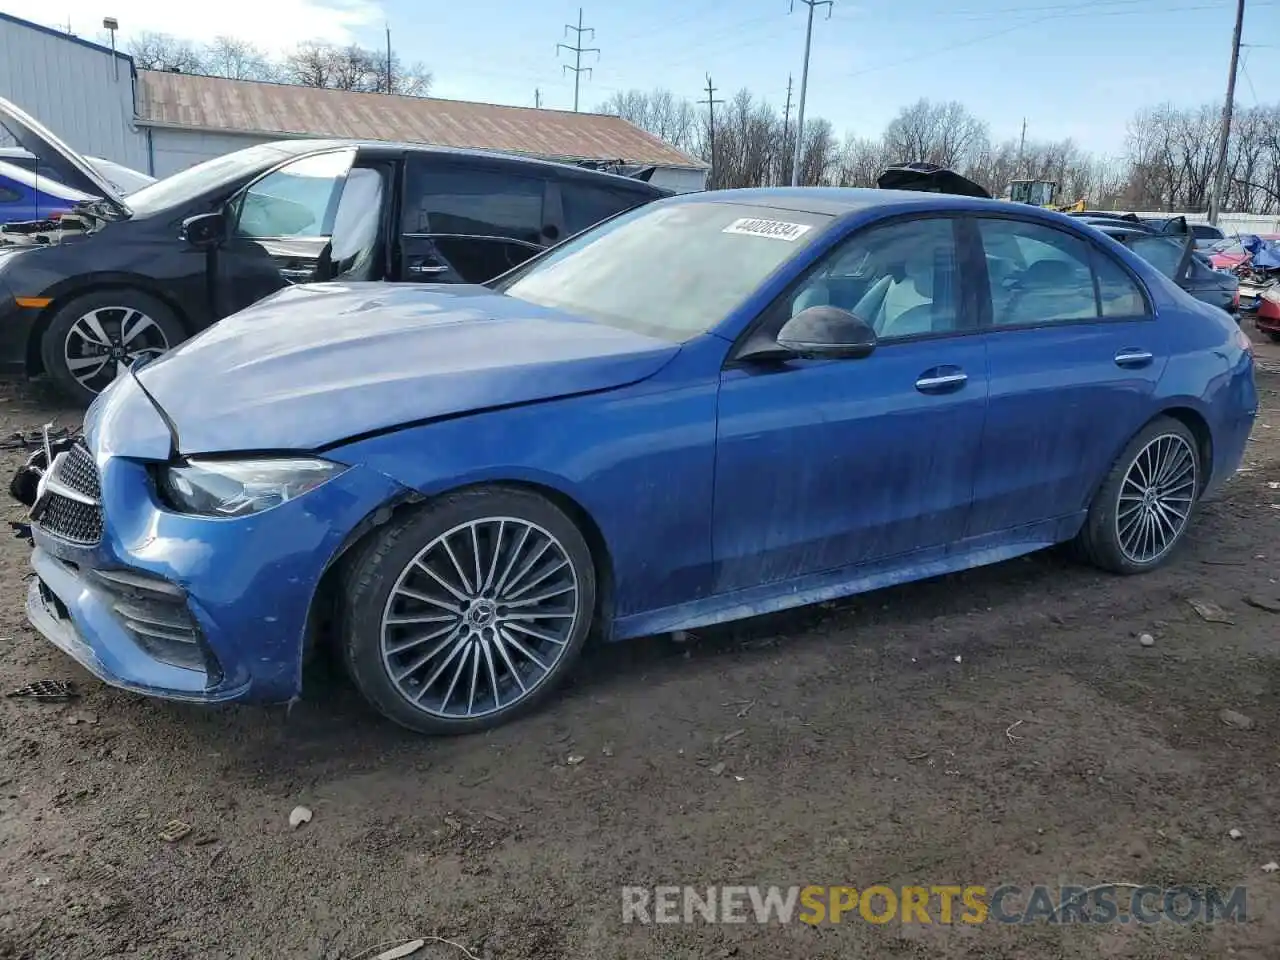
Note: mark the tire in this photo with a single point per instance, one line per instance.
(473, 670)
(1114, 536)
(70, 345)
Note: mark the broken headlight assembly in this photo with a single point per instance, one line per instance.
(240, 488)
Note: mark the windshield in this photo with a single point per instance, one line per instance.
(204, 177)
(667, 270)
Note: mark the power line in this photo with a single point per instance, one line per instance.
(711, 102)
(577, 50)
(804, 81)
(786, 117)
(1220, 177)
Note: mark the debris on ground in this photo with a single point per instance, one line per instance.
(404, 950)
(1271, 867)
(958, 658)
(1234, 834)
(408, 948)
(1008, 731)
(51, 690)
(298, 816)
(41, 881)
(1147, 640)
(1269, 604)
(174, 830)
(1234, 718)
(1209, 611)
(454, 824)
(733, 735)
(574, 759)
(607, 750)
(716, 769)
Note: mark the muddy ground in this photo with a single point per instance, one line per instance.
(1004, 725)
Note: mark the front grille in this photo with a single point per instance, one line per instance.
(67, 518)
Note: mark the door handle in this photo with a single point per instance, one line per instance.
(1133, 357)
(942, 383)
(424, 269)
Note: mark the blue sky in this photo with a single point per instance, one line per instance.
(1075, 70)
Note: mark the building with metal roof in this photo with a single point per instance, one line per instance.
(191, 118)
(98, 102)
(81, 90)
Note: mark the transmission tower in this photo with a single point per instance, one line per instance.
(577, 50)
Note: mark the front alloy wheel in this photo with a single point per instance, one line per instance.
(482, 601)
(92, 339)
(103, 342)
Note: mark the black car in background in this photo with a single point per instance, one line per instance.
(1170, 246)
(82, 297)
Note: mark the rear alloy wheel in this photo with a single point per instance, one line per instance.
(94, 338)
(469, 612)
(1145, 504)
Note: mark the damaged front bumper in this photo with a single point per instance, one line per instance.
(203, 609)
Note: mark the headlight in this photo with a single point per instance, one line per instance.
(238, 488)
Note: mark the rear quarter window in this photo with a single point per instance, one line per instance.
(585, 204)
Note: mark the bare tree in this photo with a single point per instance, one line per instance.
(237, 60)
(159, 51)
(660, 112)
(943, 133)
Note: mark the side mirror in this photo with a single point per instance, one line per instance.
(825, 332)
(205, 230)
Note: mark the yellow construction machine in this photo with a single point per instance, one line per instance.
(1042, 193)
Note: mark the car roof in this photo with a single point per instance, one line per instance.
(837, 201)
(387, 148)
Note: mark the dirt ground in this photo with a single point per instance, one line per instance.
(1004, 725)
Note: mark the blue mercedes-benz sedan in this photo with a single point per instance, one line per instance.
(707, 408)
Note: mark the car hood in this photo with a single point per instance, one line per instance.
(70, 167)
(317, 364)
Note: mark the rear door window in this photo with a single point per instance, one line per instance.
(1163, 253)
(473, 203)
(1040, 274)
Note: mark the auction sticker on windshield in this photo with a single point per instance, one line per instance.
(774, 229)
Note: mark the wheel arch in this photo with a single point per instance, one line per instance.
(327, 591)
(1186, 411)
(61, 294)
(1195, 421)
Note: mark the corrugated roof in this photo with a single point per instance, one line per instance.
(276, 109)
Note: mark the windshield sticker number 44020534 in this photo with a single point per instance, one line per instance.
(773, 229)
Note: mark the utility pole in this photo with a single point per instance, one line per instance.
(577, 50)
(1218, 196)
(711, 102)
(389, 81)
(786, 119)
(804, 82)
(1022, 142)
(537, 99)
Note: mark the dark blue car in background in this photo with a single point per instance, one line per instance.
(25, 195)
(710, 407)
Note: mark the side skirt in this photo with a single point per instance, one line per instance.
(847, 581)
